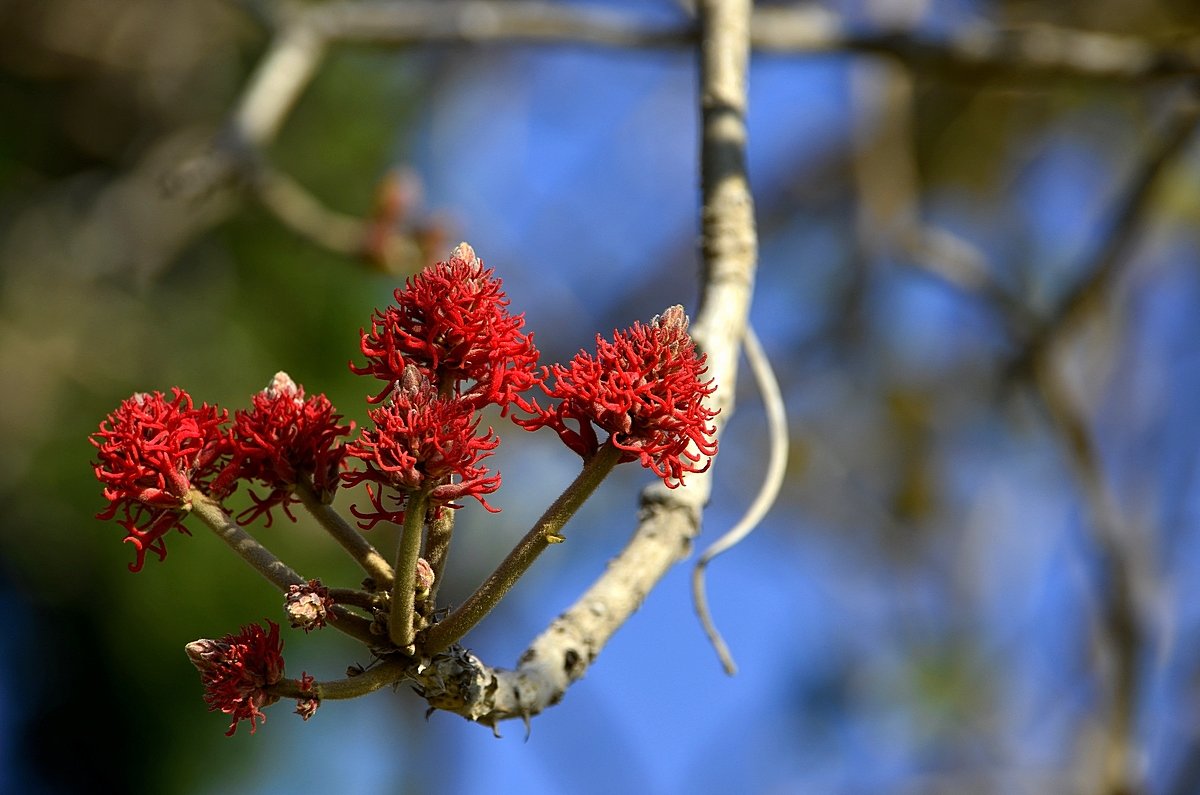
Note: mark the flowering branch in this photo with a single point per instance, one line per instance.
(458, 681)
(447, 348)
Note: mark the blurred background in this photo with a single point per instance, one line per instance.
(978, 286)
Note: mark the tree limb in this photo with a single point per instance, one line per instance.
(457, 680)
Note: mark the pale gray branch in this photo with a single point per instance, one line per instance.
(1031, 50)
(458, 681)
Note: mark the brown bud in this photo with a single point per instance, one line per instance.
(424, 579)
(673, 320)
(463, 251)
(411, 380)
(203, 652)
(307, 606)
(281, 384)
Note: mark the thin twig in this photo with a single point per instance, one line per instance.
(400, 619)
(363, 552)
(768, 386)
(386, 672)
(437, 547)
(245, 545)
(352, 596)
(266, 563)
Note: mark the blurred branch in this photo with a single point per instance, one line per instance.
(1035, 51)
(889, 218)
(305, 32)
(303, 213)
(1124, 568)
(889, 215)
(1123, 578)
(961, 264)
(1114, 248)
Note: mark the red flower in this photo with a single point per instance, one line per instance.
(421, 440)
(451, 321)
(285, 436)
(152, 453)
(644, 389)
(237, 670)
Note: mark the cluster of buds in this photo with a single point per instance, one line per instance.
(445, 349)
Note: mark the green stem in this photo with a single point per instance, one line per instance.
(437, 546)
(544, 532)
(265, 563)
(370, 680)
(400, 620)
(355, 597)
(374, 564)
(353, 625)
(245, 545)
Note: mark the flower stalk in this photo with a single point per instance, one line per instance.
(437, 546)
(387, 672)
(400, 619)
(546, 531)
(363, 552)
(245, 545)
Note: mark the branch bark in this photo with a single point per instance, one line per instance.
(306, 34)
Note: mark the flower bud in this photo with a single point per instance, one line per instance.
(307, 606)
(424, 579)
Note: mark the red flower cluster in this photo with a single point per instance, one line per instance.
(237, 670)
(421, 441)
(285, 436)
(447, 348)
(644, 389)
(451, 321)
(152, 452)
